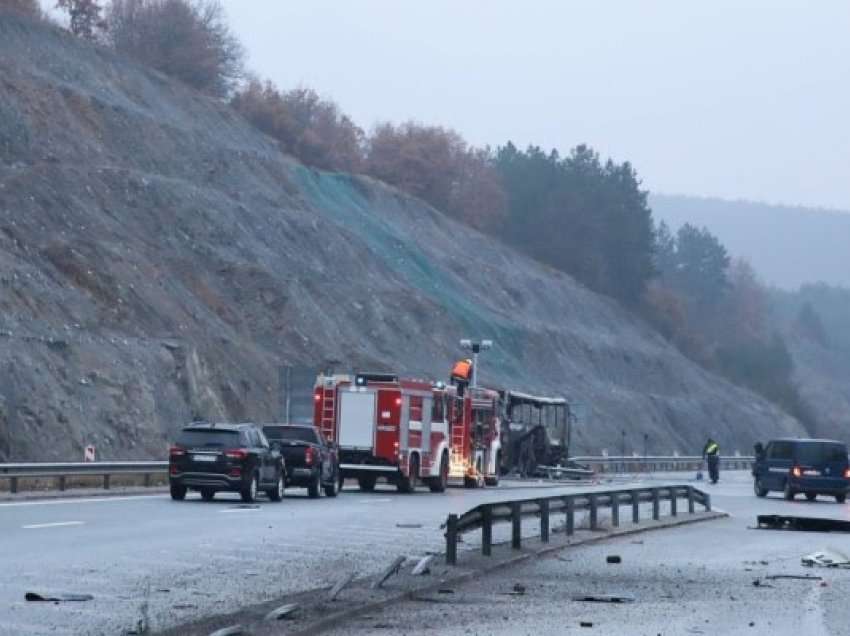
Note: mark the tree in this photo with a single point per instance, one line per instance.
(700, 266)
(85, 15)
(187, 39)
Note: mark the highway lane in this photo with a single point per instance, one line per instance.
(691, 580)
(163, 562)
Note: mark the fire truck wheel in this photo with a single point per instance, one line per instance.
(315, 487)
(470, 482)
(491, 481)
(438, 484)
(403, 484)
(367, 484)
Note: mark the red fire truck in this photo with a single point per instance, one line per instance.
(409, 431)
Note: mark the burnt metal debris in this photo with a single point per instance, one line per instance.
(804, 524)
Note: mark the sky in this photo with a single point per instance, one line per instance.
(736, 99)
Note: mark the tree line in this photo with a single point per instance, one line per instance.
(578, 213)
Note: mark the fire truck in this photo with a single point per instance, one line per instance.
(409, 431)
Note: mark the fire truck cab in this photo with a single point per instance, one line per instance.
(408, 431)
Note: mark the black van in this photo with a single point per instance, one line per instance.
(809, 466)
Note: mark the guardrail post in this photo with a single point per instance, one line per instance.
(691, 499)
(62, 483)
(571, 515)
(635, 506)
(13, 485)
(451, 540)
(544, 520)
(147, 481)
(656, 504)
(106, 482)
(486, 531)
(674, 496)
(615, 509)
(707, 502)
(593, 510)
(516, 525)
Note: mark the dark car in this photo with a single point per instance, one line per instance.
(809, 466)
(225, 457)
(311, 462)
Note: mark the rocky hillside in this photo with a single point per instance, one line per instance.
(160, 259)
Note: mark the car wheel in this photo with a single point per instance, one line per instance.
(330, 489)
(811, 496)
(249, 492)
(367, 484)
(789, 492)
(207, 494)
(439, 483)
(178, 493)
(841, 498)
(276, 493)
(315, 487)
(760, 490)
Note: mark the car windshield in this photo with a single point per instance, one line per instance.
(196, 438)
(291, 433)
(817, 453)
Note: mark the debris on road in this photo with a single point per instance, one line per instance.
(803, 524)
(759, 583)
(613, 558)
(284, 611)
(603, 598)
(445, 590)
(408, 525)
(826, 559)
(585, 624)
(245, 507)
(423, 567)
(56, 598)
(342, 583)
(800, 577)
(393, 568)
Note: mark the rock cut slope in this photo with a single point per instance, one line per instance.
(160, 259)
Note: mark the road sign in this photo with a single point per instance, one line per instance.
(88, 454)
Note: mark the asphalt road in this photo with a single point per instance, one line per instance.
(162, 562)
(696, 579)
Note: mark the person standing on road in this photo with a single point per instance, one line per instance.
(711, 452)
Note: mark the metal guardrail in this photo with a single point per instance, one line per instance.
(485, 515)
(660, 463)
(61, 471)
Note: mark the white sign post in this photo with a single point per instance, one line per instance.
(88, 454)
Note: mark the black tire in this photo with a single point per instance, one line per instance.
(207, 494)
(314, 490)
(249, 490)
(438, 484)
(331, 488)
(469, 482)
(841, 498)
(276, 493)
(811, 496)
(789, 493)
(367, 484)
(178, 493)
(758, 488)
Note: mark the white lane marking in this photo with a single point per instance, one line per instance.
(55, 524)
(53, 502)
(374, 500)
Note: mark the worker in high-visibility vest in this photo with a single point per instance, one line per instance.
(462, 371)
(711, 452)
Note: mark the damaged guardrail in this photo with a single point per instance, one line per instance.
(61, 471)
(660, 463)
(486, 515)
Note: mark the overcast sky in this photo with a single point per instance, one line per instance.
(705, 98)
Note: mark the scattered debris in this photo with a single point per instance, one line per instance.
(613, 558)
(804, 524)
(801, 577)
(604, 598)
(758, 583)
(57, 598)
(184, 606)
(394, 568)
(826, 559)
(284, 611)
(245, 507)
(342, 583)
(233, 630)
(408, 525)
(585, 624)
(423, 567)
(445, 590)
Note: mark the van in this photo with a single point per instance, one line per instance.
(809, 466)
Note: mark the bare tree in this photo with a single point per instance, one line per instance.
(187, 39)
(85, 15)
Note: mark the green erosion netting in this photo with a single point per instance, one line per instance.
(340, 198)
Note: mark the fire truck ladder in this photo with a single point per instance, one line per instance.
(457, 467)
(328, 412)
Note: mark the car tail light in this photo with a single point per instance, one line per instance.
(173, 469)
(847, 473)
(176, 451)
(797, 471)
(308, 455)
(236, 453)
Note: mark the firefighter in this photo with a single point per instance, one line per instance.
(462, 374)
(711, 452)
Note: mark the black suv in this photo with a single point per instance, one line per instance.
(809, 466)
(311, 462)
(231, 457)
